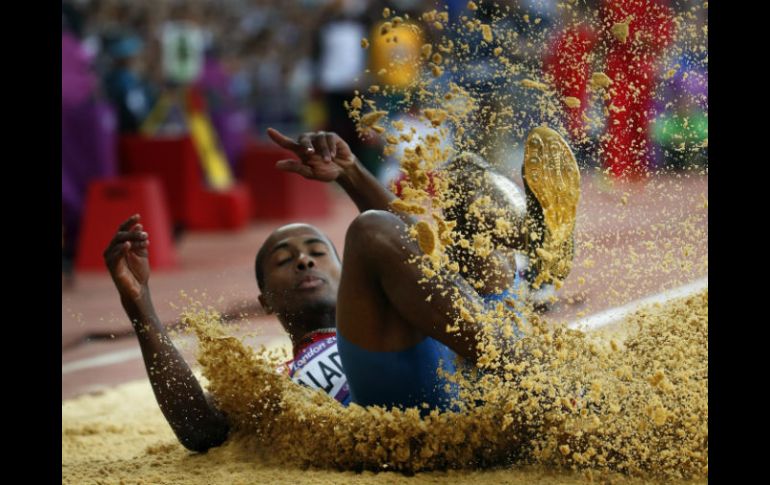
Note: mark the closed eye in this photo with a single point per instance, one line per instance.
(317, 253)
(283, 261)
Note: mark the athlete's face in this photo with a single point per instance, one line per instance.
(301, 271)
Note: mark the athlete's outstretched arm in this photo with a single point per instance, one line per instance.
(197, 423)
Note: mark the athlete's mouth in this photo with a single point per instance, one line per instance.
(310, 282)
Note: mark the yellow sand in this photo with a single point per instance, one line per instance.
(121, 437)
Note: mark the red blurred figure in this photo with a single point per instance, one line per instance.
(569, 65)
(629, 64)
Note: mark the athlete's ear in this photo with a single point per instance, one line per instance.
(265, 305)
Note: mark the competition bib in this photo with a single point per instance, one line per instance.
(319, 366)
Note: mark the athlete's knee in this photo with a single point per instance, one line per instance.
(373, 223)
(373, 228)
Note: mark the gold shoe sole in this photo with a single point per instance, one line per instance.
(552, 175)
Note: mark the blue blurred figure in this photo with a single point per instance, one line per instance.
(131, 96)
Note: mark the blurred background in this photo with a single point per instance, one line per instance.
(165, 105)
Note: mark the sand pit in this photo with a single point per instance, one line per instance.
(120, 436)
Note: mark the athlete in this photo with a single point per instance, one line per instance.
(366, 331)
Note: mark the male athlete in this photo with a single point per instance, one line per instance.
(364, 331)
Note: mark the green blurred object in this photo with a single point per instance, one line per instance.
(182, 52)
(683, 139)
(672, 130)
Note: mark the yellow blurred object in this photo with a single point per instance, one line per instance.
(315, 114)
(215, 167)
(397, 52)
(157, 115)
(213, 160)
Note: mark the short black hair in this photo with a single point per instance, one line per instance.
(260, 260)
(258, 267)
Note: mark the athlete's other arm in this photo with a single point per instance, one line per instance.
(326, 157)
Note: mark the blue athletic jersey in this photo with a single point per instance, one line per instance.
(409, 377)
(406, 378)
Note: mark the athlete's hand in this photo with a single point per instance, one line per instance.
(127, 259)
(322, 155)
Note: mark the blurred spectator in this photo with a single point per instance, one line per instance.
(629, 62)
(230, 123)
(681, 130)
(339, 64)
(88, 131)
(131, 95)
